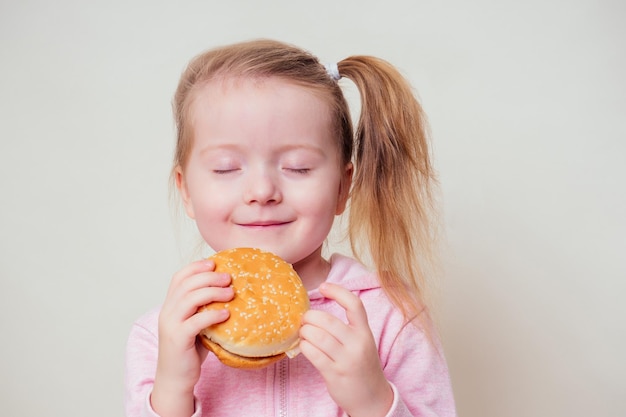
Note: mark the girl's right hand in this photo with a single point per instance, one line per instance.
(180, 356)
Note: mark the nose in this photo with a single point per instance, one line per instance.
(262, 188)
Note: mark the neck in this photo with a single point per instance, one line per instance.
(313, 269)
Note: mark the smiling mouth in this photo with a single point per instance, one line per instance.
(264, 224)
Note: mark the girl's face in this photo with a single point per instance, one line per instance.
(264, 170)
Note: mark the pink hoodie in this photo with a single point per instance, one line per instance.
(293, 387)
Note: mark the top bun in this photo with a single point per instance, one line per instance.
(267, 308)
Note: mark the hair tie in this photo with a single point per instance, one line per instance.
(333, 71)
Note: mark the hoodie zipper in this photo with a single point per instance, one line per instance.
(282, 388)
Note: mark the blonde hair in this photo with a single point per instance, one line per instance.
(391, 200)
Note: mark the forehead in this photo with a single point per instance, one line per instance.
(270, 108)
(228, 90)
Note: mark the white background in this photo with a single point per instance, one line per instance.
(527, 102)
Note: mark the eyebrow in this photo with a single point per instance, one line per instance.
(285, 148)
(224, 146)
(293, 147)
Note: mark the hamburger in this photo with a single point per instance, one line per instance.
(265, 312)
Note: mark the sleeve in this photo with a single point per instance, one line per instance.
(140, 368)
(418, 373)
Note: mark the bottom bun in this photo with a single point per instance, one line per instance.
(236, 361)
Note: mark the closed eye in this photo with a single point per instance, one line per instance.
(224, 171)
(299, 170)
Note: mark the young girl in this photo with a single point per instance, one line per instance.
(266, 157)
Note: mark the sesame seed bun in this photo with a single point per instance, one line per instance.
(265, 313)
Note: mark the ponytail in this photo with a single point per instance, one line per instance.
(391, 203)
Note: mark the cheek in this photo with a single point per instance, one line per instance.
(319, 200)
(212, 221)
(208, 201)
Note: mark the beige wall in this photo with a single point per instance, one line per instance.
(526, 102)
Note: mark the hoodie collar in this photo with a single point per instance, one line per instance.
(348, 273)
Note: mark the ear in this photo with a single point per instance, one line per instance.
(344, 188)
(181, 185)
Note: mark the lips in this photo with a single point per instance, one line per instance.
(265, 223)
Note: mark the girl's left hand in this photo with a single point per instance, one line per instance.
(346, 355)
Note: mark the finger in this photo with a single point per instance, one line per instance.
(317, 357)
(323, 338)
(193, 268)
(180, 287)
(182, 303)
(206, 318)
(189, 329)
(205, 280)
(205, 269)
(325, 321)
(355, 312)
(205, 296)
